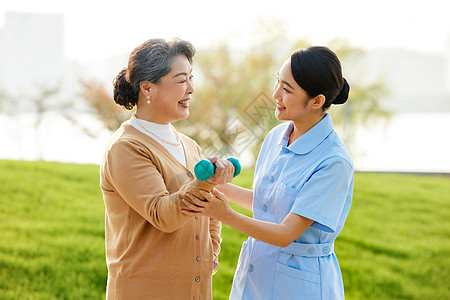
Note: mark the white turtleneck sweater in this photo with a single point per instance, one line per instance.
(164, 131)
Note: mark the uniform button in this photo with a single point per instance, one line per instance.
(197, 279)
(250, 268)
(311, 250)
(189, 174)
(198, 258)
(196, 217)
(271, 179)
(326, 249)
(197, 236)
(264, 208)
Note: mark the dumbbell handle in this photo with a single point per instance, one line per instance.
(204, 169)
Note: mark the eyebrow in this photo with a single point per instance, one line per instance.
(182, 73)
(285, 82)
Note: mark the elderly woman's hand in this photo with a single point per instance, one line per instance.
(224, 171)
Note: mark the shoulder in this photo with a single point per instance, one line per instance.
(274, 136)
(277, 132)
(280, 128)
(126, 138)
(269, 145)
(334, 159)
(337, 149)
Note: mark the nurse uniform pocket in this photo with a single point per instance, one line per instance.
(292, 283)
(284, 199)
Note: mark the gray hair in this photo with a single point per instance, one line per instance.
(149, 61)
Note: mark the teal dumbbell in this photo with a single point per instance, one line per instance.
(204, 169)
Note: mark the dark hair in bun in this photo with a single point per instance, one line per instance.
(318, 70)
(123, 91)
(149, 61)
(343, 94)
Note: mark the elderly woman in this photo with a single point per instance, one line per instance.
(153, 251)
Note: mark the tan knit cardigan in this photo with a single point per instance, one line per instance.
(153, 251)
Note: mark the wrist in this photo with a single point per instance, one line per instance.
(228, 216)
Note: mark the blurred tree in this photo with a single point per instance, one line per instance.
(103, 106)
(233, 109)
(363, 107)
(3, 97)
(43, 103)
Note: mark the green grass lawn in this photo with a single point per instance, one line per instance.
(395, 244)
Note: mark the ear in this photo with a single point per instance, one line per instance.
(145, 87)
(318, 101)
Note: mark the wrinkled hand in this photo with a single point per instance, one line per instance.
(224, 171)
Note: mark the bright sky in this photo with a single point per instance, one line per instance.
(100, 28)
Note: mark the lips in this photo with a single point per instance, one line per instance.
(280, 107)
(184, 103)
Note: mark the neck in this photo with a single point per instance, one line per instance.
(150, 116)
(303, 126)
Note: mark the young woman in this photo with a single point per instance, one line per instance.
(153, 251)
(302, 190)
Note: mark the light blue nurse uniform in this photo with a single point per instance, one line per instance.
(312, 177)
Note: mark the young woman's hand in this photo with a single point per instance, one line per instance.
(224, 171)
(214, 206)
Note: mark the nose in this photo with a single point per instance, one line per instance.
(190, 87)
(276, 91)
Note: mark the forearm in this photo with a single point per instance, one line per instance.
(270, 233)
(238, 195)
(165, 212)
(217, 206)
(215, 228)
(280, 235)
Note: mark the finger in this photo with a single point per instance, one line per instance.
(207, 195)
(188, 212)
(219, 166)
(190, 206)
(194, 200)
(230, 168)
(218, 194)
(213, 159)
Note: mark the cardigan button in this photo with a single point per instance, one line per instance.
(189, 174)
(196, 217)
(197, 236)
(197, 279)
(198, 258)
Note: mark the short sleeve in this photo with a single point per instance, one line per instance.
(323, 195)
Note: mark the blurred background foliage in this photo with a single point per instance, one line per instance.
(232, 108)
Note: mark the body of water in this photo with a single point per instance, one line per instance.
(409, 142)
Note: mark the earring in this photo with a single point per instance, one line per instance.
(148, 99)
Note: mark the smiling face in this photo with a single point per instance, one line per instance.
(293, 103)
(170, 97)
